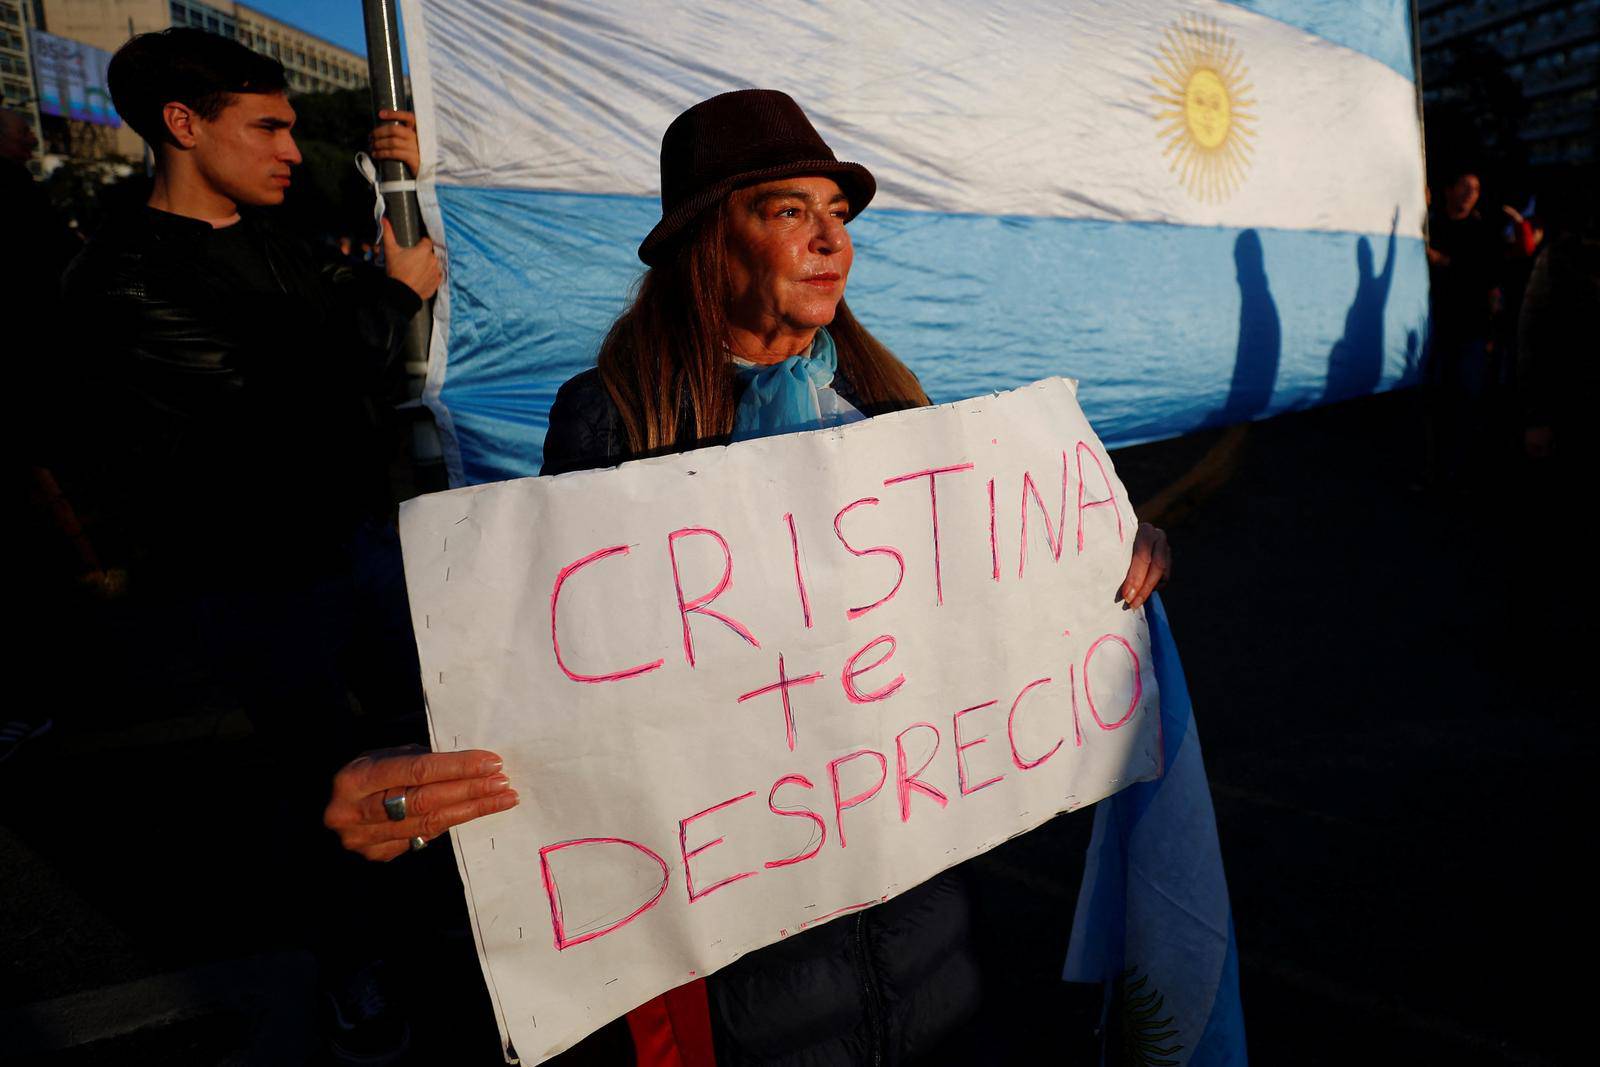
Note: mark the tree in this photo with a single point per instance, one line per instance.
(329, 196)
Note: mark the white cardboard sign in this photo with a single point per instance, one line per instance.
(748, 689)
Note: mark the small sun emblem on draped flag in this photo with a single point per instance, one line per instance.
(1206, 114)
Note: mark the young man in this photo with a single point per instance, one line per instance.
(247, 369)
(244, 386)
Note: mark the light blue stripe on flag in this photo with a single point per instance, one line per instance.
(1168, 328)
(1377, 28)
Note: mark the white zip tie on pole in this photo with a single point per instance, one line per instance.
(369, 171)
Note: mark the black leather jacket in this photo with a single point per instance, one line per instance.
(238, 413)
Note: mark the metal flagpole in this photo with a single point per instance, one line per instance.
(400, 207)
(1422, 128)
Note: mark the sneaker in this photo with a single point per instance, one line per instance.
(16, 733)
(364, 1027)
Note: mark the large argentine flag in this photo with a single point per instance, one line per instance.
(1205, 211)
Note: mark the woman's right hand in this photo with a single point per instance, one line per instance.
(441, 790)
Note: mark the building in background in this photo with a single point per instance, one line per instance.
(73, 101)
(313, 64)
(16, 62)
(1521, 78)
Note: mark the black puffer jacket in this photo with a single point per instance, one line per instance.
(894, 984)
(236, 374)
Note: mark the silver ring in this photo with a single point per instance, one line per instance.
(395, 807)
(418, 844)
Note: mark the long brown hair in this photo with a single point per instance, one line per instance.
(665, 362)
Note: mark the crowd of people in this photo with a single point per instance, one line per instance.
(1514, 294)
(237, 368)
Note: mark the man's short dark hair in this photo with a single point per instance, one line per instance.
(200, 69)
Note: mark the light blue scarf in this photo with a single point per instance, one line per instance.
(783, 397)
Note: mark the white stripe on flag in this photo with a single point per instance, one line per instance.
(1031, 111)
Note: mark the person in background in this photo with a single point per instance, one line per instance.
(1465, 259)
(1556, 382)
(40, 245)
(244, 385)
(1520, 239)
(1560, 315)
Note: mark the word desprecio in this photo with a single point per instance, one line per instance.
(866, 676)
(908, 782)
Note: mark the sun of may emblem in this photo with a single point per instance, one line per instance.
(1206, 116)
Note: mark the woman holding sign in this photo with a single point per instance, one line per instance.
(739, 330)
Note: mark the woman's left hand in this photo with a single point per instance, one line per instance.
(396, 138)
(1149, 569)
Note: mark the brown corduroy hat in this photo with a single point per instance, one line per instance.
(737, 139)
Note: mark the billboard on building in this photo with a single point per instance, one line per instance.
(71, 79)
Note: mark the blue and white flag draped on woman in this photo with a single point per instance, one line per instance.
(1204, 211)
(1153, 919)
